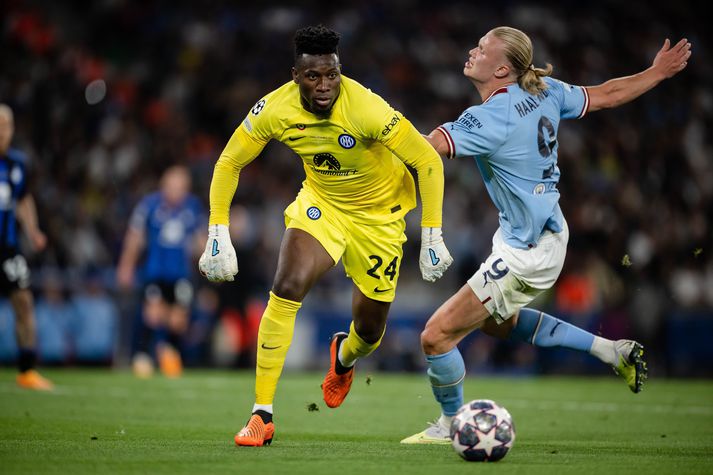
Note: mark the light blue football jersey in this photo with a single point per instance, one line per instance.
(512, 136)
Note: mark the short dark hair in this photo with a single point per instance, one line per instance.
(316, 40)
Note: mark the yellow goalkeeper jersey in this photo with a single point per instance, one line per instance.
(353, 159)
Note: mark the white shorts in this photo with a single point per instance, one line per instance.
(510, 278)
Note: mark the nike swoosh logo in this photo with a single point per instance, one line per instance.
(292, 139)
(270, 347)
(434, 258)
(378, 290)
(215, 251)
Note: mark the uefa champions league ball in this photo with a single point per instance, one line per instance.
(482, 431)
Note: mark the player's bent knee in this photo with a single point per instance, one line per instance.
(439, 336)
(432, 341)
(290, 288)
(178, 323)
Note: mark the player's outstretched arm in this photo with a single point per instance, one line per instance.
(669, 61)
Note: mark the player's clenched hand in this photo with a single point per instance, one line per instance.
(218, 262)
(434, 258)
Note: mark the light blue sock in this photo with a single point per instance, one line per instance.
(446, 373)
(540, 329)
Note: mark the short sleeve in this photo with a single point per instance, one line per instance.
(478, 131)
(573, 100)
(139, 216)
(20, 172)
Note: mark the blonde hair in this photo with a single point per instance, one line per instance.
(518, 50)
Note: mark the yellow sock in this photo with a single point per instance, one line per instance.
(354, 347)
(273, 340)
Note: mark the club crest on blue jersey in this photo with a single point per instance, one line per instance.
(16, 175)
(346, 141)
(313, 213)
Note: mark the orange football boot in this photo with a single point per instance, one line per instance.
(255, 433)
(169, 360)
(335, 387)
(31, 379)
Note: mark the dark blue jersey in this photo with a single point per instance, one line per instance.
(13, 187)
(169, 232)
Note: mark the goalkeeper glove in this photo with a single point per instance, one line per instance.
(434, 258)
(218, 262)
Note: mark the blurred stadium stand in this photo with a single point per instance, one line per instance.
(107, 94)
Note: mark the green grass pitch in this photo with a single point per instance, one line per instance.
(101, 421)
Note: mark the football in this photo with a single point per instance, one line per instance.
(482, 431)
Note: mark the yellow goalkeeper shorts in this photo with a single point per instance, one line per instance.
(370, 252)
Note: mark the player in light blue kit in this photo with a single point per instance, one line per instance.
(512, 136)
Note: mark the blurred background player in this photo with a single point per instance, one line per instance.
(167, 226)
(513, 137)
(17, 204)
(351, 207)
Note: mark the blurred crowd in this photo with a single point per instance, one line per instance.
(108, 94)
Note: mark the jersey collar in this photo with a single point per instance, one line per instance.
(499, 90)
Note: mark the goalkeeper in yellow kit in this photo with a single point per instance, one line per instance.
(354, 148)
